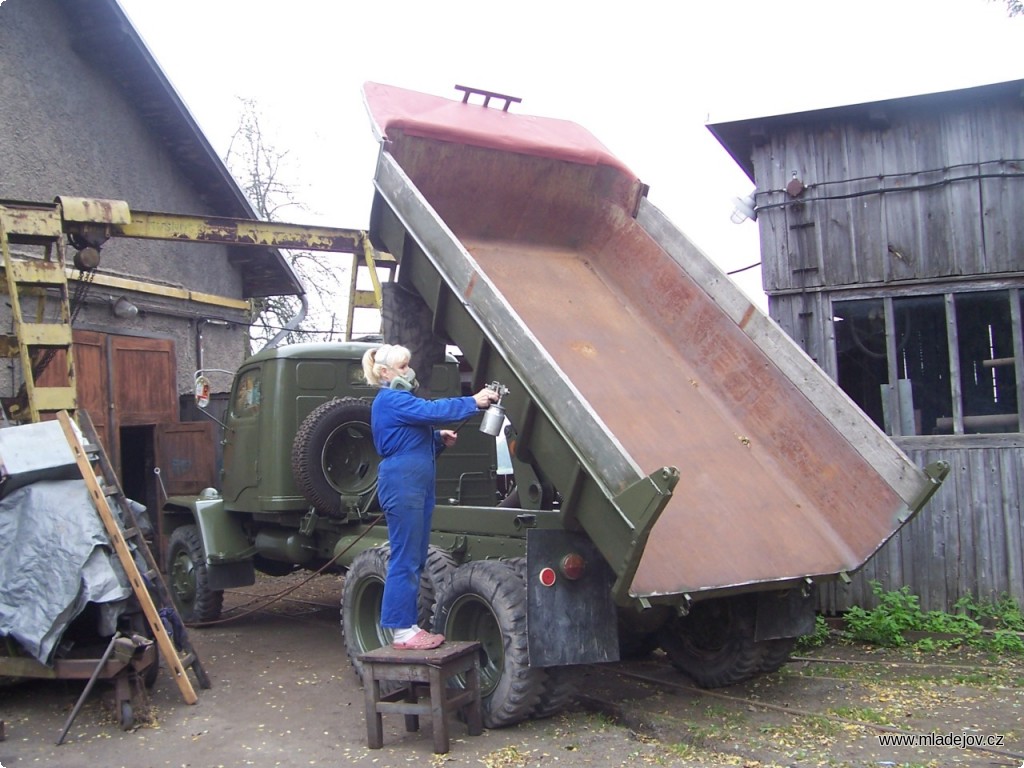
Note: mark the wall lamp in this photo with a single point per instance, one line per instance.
(124, 309)
(744, 208)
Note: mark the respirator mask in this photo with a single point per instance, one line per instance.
(405, 381)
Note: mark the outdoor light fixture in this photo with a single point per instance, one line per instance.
(124, 309)
(744, 208)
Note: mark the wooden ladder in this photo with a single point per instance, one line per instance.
(37, 341)
(103, 486)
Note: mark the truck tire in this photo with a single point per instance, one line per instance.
(360, 605)
(440, 566)
(486, 601)
(638, 631)
(364, 589)
(558, 692)
(775, 653)
(714, 644)
(187, 577)
(407, 319)
(559, 685)
(333, 456)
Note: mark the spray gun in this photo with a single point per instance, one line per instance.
(494, 417)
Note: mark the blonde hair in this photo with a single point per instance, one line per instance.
(385, 356)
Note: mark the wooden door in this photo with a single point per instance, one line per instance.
(184, 453)
(92, 381)
(143, 380)
(122, 381)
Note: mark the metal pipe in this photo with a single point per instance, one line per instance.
(292, 324)
(88, 688)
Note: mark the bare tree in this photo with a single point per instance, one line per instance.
(261, 170)
(1015, 7)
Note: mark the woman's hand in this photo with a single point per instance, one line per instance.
(448, 437)
(485, 397)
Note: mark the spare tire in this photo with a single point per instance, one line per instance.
(334, 462)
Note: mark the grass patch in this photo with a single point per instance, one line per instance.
(898, 621)
(861, 715)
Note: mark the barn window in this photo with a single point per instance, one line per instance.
(988, 382)
(933, 364)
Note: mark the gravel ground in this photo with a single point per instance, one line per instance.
(284, 694)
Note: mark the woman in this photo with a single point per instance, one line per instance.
(408, 444)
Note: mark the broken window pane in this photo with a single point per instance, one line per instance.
(922, 365)
(988, 383)
(861, 353)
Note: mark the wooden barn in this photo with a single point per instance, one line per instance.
(88, 113)
(892, 246)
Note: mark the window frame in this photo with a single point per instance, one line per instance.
(948, 293)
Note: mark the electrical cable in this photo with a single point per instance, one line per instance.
(885, 191)
(744, 269)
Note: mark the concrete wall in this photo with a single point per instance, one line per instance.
(67, 129)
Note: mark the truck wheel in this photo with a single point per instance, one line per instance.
(557, 693)
(440, 566)
(187, 577)
(775, 653)
(407, 319)
(360, 605)
(486, 601)
(333, 456)
(714, 644)
(638, 630)
(559, 684)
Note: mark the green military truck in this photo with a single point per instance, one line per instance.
(683, 475)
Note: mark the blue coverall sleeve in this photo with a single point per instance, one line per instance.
(416, 411)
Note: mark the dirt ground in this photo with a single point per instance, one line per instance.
(284, 694)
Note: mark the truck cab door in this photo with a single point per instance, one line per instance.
(241, 436)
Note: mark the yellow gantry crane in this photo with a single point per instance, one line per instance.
(86, 224)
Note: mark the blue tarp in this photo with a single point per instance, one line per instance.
(55, 557)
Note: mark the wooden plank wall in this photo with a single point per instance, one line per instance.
(968, 540)
(923, 195)
(920, 200)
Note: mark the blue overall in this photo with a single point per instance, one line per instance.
(408, 444)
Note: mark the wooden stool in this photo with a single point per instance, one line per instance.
(422, 672)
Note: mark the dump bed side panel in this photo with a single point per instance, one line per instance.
(775, 484)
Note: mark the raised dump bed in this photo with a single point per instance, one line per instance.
(630, 356)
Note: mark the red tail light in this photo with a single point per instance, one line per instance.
(573, 566)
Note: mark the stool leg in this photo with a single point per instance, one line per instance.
(374, 726)
(412, 722)
(474, 715)
(438, 715)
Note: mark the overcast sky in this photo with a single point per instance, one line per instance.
(645, 81)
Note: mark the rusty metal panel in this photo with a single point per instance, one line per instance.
(781, 477)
